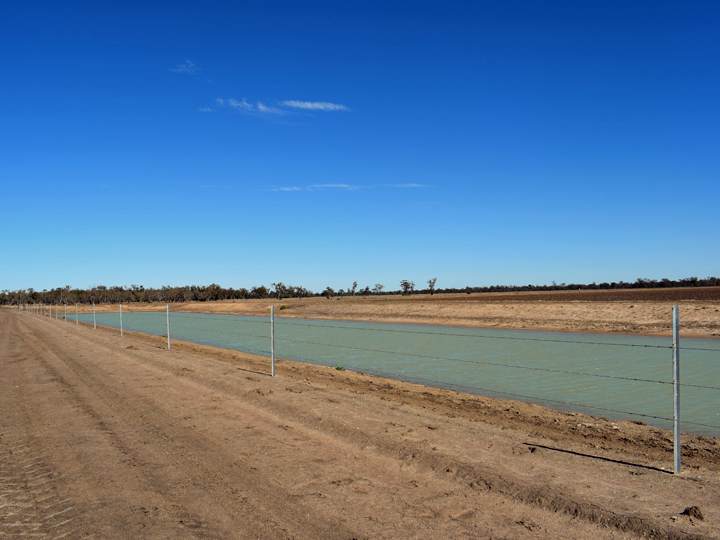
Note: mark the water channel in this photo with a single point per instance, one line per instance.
(612, 375)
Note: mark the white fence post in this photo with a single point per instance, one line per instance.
(168, 323)
(272, 341)
(677, 449)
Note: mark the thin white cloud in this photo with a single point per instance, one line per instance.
(336, 186)
(269, 110)
(314, 105)
(345, 187)
(205, 109)
(249, 108)
(187, 67)
(319, 187)
(260, 109)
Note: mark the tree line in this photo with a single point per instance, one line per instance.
(201, 293)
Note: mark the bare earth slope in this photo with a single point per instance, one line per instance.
(110, 437)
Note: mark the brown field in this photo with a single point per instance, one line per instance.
(634, 311)
(107, 437)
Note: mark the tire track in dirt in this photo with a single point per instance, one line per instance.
(32, 503)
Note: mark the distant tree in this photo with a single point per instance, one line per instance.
(431, 285)
(329, 292)
(378, 288)
(354, 288)
(407, 286)
(280, 290)
(259, 292)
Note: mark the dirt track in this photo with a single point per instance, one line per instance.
(109, 437)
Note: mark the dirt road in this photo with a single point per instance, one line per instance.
(109, 437)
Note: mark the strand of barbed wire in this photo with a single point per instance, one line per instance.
(285, 321)
(495, 364)
(476, 389)
(462, 360)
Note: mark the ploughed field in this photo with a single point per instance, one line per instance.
(103, 436)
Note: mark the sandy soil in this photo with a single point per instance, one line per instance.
(110, 437)
(641, 311)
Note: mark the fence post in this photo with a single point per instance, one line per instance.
(56, 314)
(94, 323)
(272, 341)
(65, 320)
(677, 449)
(120, 319)
(76, 318)
(168, 324)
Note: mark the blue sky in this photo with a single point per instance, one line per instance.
(321, 143)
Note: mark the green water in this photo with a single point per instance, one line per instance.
(590, 373)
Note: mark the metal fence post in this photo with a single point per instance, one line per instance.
(272, 341)
(76, 317)
(168, 324)
(677, 449)
(94, 323)
(121, 333)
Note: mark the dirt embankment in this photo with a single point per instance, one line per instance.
(636, 311)
(110, 437)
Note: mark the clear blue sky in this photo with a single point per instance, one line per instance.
(321, 143)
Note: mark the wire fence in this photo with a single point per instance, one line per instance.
(619, 376)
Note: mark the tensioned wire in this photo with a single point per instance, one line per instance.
(482, 336)
(286, 321)
(245, 349)
(417, 355)
(474, 389)
(477, 362)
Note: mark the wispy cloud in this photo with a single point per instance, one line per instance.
(187, 67)
(269, 110)
(345, 187)
(250, 108)
(205, 109)
(314, 105)
(319, 187)
(280, 109)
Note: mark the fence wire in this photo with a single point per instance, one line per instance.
(472, 389)
(477, 389)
